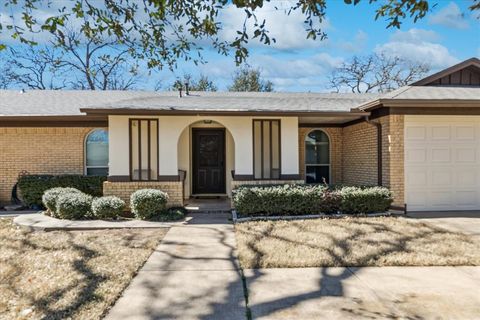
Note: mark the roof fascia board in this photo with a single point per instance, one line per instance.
(354, 113)
(462, 65)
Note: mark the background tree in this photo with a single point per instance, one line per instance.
(77, 63)
(376, 73)
(248, 79)
(163, 31)
(203, 83)
(32, 68)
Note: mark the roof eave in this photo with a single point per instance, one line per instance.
(128, 111)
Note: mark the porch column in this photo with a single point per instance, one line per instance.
(289, 146)
(118, 147)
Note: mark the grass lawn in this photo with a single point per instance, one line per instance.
(382, 241)
(58, 275)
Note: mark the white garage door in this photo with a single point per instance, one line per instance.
(442, 163)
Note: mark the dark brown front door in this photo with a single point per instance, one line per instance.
(208, 160)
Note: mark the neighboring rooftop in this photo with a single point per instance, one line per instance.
(69, 102)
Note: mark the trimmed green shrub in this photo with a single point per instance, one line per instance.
(74, 206)
(309, 199)
(148, 203)
(107, 207)
(356, 200)
(284, 199)
(49, 198)
(32, 187)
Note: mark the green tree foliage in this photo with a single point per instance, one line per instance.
(248, 79)
(164, 31)
(203, 83)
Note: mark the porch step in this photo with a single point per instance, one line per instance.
(208, 206)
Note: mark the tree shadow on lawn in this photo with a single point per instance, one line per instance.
(339, 248)
(57, 300)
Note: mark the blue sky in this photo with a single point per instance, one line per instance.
(449, 34)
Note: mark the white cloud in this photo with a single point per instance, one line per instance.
(450, 16)
(418, 45)
(415, 36)
(357, 44)
(288, 30)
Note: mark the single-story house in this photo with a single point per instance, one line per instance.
(422, 141)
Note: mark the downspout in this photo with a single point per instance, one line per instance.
(379, 149)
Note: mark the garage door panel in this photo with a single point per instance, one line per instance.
(467, 178)
(465, 133)
(442, 163)
(441, 133)
(418, 155)
(416, 133)
(440, 154)
(466, 198)
(465, 155)
(441, 177)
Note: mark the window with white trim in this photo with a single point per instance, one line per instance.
(317, 157)
(96, 153)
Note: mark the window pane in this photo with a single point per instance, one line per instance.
(266, 150)
(153, 150)
(97, 148)
(135, 150)
(144, 149)
(257, 149)
(317, 153)
(317, 136)
(97, 171)
(315, 174)
(275, 149)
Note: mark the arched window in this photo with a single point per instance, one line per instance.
(96, 153)
(317, 157)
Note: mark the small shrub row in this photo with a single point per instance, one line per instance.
(71, 203)
(310, 199)
(32, 187)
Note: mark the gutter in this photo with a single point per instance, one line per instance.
(379, 149)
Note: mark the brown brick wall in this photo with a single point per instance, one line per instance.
(39, 151)
(360, 154)
(123, 190)
(335, 135)
(393, 155)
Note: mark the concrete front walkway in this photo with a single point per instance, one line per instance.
(193, 274)
(365, 293)
(41, 222)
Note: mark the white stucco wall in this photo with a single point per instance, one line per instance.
(170, 133)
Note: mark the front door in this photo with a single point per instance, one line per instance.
(208, 170)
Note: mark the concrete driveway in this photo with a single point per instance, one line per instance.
(467, 222)
(364, 293)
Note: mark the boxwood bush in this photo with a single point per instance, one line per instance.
(32, 187)
(309, 199)
(357, 200)
(74, 205)
(148, 203)
(285, 199)
(50, 197)
(107, 207)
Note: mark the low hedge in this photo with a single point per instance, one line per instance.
(107, 207)
(148, 203)
(50, 197)
(32, 187)
(74, 205)
(310, 199)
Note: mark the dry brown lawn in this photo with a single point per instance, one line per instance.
(58, 275)
(383, 241)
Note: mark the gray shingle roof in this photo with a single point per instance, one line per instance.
(434, 93)
(69, 102)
